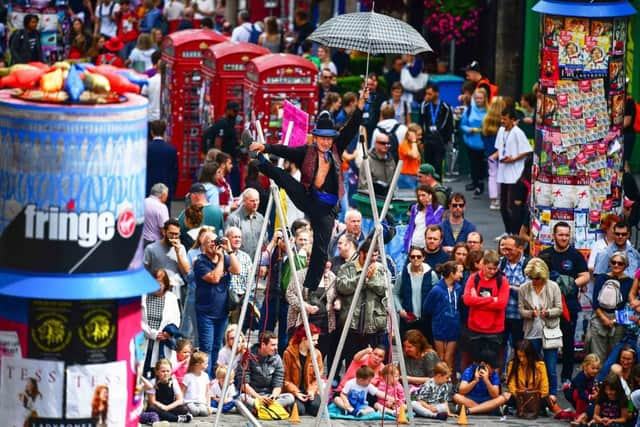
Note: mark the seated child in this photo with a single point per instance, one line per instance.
(216, 391)
(430, 400)
(580, 392)
(611, 407)
(184, 348)
(353, 397)
(391, 389)
(195, 386)
(164, 395)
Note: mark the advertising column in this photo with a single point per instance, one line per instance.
(577, 170)
(72, 182)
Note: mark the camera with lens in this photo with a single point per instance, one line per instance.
(219, 241)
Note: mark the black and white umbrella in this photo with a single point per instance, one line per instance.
(370, 32)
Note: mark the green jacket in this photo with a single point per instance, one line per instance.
(372, 297)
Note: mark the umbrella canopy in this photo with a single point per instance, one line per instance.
(370, 32)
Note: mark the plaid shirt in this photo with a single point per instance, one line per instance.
(515, 276)
(239, 281)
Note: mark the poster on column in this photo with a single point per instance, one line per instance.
(30, 389)
(94, 391)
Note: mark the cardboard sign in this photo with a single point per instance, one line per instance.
(300, 121)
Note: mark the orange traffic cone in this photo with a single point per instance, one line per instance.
(294, 417)
(402, 416)
(462, 418)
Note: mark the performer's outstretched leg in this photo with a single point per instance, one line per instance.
(322, 221)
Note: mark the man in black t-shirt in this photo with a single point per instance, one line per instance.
(222, 135)
(567, 260)
(24, 44)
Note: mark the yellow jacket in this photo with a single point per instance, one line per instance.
(519, 382)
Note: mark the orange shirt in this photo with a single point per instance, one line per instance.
(409, 166)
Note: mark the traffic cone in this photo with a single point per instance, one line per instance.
(402, 416)
(294, 417)
(462, 418)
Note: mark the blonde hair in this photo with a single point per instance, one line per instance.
(492, 120)
(161, 362)
(413, 127)
(490, 257)
(536, 269)
(221, 372)
(590, 359)
(197, 357)
(441, 368)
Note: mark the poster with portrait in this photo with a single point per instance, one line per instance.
(616, 73)
(617, 109)
(30, 389)
(601, 27)
(92, 392)
(619, 37)
(571, 53)
(595, 52)
(552, 27)
(550, 111)
(576, 24)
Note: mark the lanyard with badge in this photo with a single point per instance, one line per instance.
(434, 117)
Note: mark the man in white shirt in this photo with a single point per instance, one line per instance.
(152, 90)
(204, 9)
(106, 22)
(242, 33)
(512, 148)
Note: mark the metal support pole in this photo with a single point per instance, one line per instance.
(356, 296)
(392, 309)
(296, 283)
(244, 411)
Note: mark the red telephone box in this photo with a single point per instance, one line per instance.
(180, 99)
(223, 70)
(271, 79)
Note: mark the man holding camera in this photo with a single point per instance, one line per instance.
(212, 272)
(169, 254)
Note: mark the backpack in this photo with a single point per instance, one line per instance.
(444, 190)
(254, 34)
(476, 280)
(393, 139)
(610, 295)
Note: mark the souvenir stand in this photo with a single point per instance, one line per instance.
(72, 180)
(577, 164)
(180, 99)
(271, 79)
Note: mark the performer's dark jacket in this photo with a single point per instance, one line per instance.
(306, 157)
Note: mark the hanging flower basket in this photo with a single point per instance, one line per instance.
(456, 20)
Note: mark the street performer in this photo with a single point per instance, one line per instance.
(320, 188)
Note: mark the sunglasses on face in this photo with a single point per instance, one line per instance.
(619, 263)
(383, 143)
(457, 205)
(621, 234)
(416, 257)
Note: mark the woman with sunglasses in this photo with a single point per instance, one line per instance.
(416, 281)
(610, 293)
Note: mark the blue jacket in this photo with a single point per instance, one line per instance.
(447, 232)
(444, 308)
(162, 165)
(472, 118)
(405, 287)
(151, 20)
(431, 217)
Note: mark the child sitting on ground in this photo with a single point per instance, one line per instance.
(184, 348)
(353, 397)
(430, 400)
(391, 388)
(580, 392)
(216, 391)
(164, 395)
(611, 407)
(195, 386)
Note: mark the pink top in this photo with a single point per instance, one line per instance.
(181, 370)
(394, 391)
(353, 367)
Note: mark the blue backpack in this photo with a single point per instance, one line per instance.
(254, 34)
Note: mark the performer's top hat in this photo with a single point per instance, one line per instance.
(325, 126)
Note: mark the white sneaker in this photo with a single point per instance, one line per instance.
(185, 418)
(494, 206)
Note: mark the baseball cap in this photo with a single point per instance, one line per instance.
(472, 66)
(198, 187)
(428, 169)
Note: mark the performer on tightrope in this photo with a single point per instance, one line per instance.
(320, 188)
